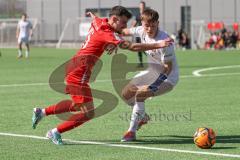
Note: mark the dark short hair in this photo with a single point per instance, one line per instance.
(120, 11)
(24, 14)
(150, 15)
(143, 2)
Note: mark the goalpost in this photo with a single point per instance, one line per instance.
(199, 34)
(8, 31)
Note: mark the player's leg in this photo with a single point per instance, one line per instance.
(19, 48)
(61, 107)
(138, 115)
(27, 49)
(83, 102)
(138, 112)
(74, 120)
(128, 94)
(145, 93)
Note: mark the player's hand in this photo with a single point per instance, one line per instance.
(91, 14)
(166, 42)
(111, 48)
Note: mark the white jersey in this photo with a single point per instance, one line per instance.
(24, 28)
(157, 57)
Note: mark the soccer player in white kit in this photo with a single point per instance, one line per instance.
(160, 77)
(23, 35)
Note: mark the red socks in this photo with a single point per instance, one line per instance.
(61, 107)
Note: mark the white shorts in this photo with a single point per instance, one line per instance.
(147, 77)
(144, 78)
(23, 40)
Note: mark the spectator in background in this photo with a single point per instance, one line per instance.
(137, 22)
(23, 34)
(183, 39)
(238, 42)
(234, 39)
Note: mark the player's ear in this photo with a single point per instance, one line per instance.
(114, 18)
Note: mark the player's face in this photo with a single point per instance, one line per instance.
(150, 28)
(24, 17)
(120, 23)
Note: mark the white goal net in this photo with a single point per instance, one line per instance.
(199, 34)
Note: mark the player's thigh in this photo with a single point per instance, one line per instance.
(27, 45)
(80, 93)
(19, 41)
(143, 93)
(129, 91)
(144, 78)
(165, 87)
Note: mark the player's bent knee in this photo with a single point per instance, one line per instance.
(126, 94)
(141, 96)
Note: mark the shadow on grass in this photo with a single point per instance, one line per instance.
(174, 139)
(167, 139)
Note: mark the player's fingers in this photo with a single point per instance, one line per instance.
(109, 51)
(88, 13)
(170, 40)
(116, 50)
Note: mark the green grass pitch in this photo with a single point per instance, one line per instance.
(211, 100)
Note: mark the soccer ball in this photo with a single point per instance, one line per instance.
(204, 138)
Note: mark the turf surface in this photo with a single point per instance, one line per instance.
(211, 100)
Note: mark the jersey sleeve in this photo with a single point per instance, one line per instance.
(114, 38)
(168, 53)
(136, 31)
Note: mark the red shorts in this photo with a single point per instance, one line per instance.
(77, 85)
(78, 72)
(80, 93)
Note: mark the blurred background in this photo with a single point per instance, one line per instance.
(194, 24)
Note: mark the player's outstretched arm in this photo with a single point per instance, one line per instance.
(17, 32)
(145, 46)
(91, 14)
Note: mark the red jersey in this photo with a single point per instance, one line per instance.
(79, 68)
(100, 35)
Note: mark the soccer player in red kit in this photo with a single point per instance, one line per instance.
(103, 36)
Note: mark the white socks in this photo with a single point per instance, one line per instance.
(55, 130)
(26, 53)
(43, 113)
(19, 53)
(137, 114)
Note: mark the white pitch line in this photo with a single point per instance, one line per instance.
(23, 84)
(197, 72)
(107, 80)
(127, 146)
